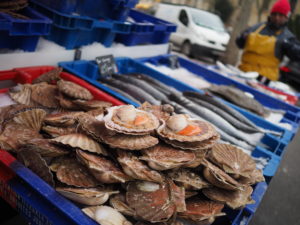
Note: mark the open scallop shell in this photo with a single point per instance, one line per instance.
(207, 131)
(92, 104)
(119, 203)
(81, 141)
(37, 164)
(164, 157)
(45, 148)
(187, 179)
(62, 119)
(49, 77)
(87, 196)
(59, 131)
(74, 90)
(58, 161)
(136, 169)
(69, 171)
(21, 93)
(255, 177)
(30, 118)
(219, 178)
(103, 169)
(44, 94)
(113, 122)
(232, 160)
(234, 199)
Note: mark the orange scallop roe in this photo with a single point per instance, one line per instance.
(140, 120)
(190, 130)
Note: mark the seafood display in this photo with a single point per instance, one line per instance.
(124, 165)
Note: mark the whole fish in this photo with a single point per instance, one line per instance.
(252, 139)
(236, 123)
(132, 90)
(179, 109)
(143, 85)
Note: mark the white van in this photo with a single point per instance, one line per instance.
(198, 33)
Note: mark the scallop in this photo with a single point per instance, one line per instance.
(31, 118)
(49, 77)
(73, 90)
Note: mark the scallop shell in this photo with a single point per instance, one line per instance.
(103, 169)
(188, 179)
(62, 119)
(31, 118)
(162, 112)
(234, 199)
(49, 77)
(119, 203)
(219, 178)
(136, 169)
(232, 160)
(91, 126)
(200, 156)
(207, 131)
(74, 90)
(21, 94)
(150, 201)
(200, 210)
(37, 164)
(45, 148)
(87, 196)
(164, 157)
(44, 94)
(255, 177)
(80, 141)
(71, 172)
(66, 103)
(59, 131)
(92, 104)
(113, 122)
(58, 161)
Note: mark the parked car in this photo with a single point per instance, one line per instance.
(199, 32)
(290, 73)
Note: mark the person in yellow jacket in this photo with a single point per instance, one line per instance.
(266, 43)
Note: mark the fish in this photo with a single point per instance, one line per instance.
(143, 85)
(218, 121)
(132, 90)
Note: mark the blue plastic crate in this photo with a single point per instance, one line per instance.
(73, 31)
(146, 30)
(23, 34)
(89, 71)
(112, 9)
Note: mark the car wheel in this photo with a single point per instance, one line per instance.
(186, 48)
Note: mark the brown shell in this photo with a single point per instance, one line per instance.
(162, 112)
(60, 160)
(21, 94)
(136, 169)
(59, 131)
(119, 203)
(188, 179)
(113, 122)
(44, 94)
(49, 77)
(219, 178)
(74, 90)
(45, 148)
(31, 119)
(164, 157)
(62, 119)
(37, 164)
(103, 169)
(232, 160)
(177, 196)
(91, 126)
(256, 177)
(71, 172)
(234, 199)
(92, 104)
(153, 204)
(80, 141)
(200, 156)
(199, 209)
(207, 131)
(87, 196)
(66, 102)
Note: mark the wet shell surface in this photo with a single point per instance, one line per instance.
(128, 120)
(71, 172)
(118, 202)
(188, 179)
(80, 141)
(136, 169)
(103, 169)
(37, 164)
(74, 90)
(175, 124)
(219, 178)
(31, 119)
(44, 94)
(232, 160)
(87, 196)
(49, 77)
(45, 148)
(164, 157)
(21, 94)
(234, 199)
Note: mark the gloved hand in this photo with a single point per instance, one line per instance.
(291, 48)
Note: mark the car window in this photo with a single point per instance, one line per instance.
(207, 19)
(183, 17)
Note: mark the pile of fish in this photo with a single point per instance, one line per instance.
(232, 125)
(125, 165)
